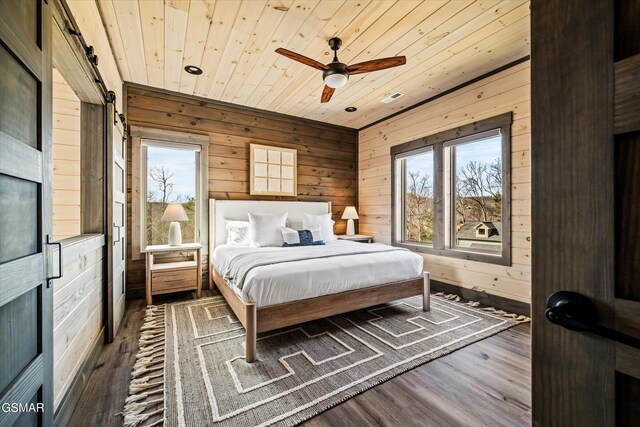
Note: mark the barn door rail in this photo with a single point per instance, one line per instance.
(576, 312)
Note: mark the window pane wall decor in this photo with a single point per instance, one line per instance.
(273, 171)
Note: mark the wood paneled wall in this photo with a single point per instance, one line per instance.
(66, 159)
(326, 153)
(506, 91)
(77, 309)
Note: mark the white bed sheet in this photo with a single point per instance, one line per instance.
(291, 281)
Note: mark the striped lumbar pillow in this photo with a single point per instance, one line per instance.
(309, 237)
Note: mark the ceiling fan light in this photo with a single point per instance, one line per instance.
(336, 80)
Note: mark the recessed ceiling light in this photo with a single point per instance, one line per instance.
(192, 69)
(350, 109)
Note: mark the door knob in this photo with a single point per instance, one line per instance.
(576, 312)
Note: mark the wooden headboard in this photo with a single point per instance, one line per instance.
(221, 211)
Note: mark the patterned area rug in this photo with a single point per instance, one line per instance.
(190, 370)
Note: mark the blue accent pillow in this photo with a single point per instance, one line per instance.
(311, 237)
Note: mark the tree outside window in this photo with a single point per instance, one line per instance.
(419, 206)
(171, 178)
(478, 194)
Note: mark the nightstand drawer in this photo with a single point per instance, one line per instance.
(173, 281)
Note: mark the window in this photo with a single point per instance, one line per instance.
(417, 193)
(170, 174)
(451, 192)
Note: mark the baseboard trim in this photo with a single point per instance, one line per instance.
(506, 304)
(72, 396)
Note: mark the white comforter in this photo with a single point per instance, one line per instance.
(290, 281)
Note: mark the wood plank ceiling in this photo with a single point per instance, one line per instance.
(446, 43)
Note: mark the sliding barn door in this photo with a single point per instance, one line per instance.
(25, 213)
(585, 158)
(117, 216)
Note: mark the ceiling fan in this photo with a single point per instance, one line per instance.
(336, 74)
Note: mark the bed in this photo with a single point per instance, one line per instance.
(273, 287)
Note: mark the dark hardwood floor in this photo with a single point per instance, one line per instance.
(485, 383)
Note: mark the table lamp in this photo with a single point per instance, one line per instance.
(350, 214)
(174, 213)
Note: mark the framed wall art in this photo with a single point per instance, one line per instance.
(273, 171)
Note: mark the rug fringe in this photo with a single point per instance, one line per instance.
(517, 317)
(150, 358)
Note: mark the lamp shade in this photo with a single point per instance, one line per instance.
(350, 213)
(174, 212)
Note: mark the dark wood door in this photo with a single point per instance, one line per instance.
(25, 213)
(585, 157)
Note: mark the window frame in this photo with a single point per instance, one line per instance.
(402, 226)
(145, 143)
(444, 237)
(138, 198)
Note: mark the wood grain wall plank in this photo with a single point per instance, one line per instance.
(199, 22)
(77, 308)
(66, 160)
(451, 44)
(176, 15)
(110, 20)
(503, 92)
(326, 154)
(152, 22)
(245, 27)
(218, 35)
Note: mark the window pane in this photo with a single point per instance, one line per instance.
(418, 198)
(19, 95)
(19, 213)
(478, 194)
(171, 178)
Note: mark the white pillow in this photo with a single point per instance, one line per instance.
(265, 229)
(296, 225)
(293, 237)
(324, 222)
(238, 233)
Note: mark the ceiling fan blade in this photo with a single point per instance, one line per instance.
(376, 64)
(301, 58)
(327, 92)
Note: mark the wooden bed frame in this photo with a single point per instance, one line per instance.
(256, 320)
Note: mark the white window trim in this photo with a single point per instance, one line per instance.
(171, 139)
(145, 143)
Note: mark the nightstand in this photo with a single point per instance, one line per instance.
(175, 276)
(362, 238)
